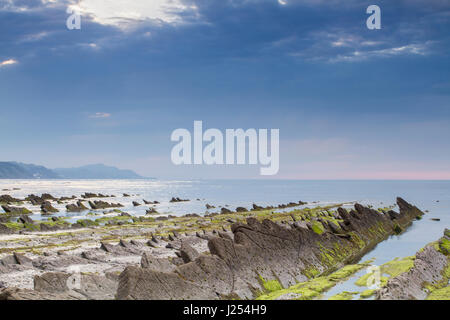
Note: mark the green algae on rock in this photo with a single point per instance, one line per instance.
(367, 293)
(398, 266)
(440, 294)
(343, 296)
(313, 288)
(392, 268)
(282, 252)
(427, 278)
(265, 251)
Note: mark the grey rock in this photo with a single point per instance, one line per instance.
(188, 253)
(157, 264)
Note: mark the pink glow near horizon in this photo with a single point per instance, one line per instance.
(376, 175)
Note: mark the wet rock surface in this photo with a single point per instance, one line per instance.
(98, 204)
(261, 249)
(428, 270)
(190, 257)
(47, 208)
(79, 206)
(15, 210)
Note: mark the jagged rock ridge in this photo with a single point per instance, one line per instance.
(266, 251)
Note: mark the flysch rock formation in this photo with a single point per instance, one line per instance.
(429, 269)
(266, 251)
(216, 265)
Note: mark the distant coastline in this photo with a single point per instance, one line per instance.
(17, 170)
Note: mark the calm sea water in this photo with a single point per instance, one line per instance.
(433, 196)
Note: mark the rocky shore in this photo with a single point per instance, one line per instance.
(232, 254)
(422, 276)
(427, 278)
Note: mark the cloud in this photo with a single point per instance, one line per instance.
(8, 62)
(27, 6)
(304, 29)
(347, 45)
(90, 46)
(100, 115)
(125, 14)
(411, 49)
(35, 36)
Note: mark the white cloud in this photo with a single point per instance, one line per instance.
(8, 62)
(90, 45)
(35, 36)
(21, 6)
(345, 41)
(359, 55)
(100, 115)
(371, 43)
(126, 14)
(340, 46)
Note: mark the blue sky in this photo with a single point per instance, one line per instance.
(350, 103)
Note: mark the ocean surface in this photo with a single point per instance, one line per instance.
(433, 196)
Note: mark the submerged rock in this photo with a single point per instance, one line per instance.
(5, 198)
(15, 210)
(67, 198)
(255, 207)
(224, 211)
(151, 211)
(98, 204)
(25, 219)
(79, 206)
(176, 199)
(47, 208)
(89, 195)
(36, 200)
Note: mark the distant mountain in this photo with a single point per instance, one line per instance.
(96, 171)
(16, 170)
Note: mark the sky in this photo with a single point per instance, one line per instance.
(350, 103)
